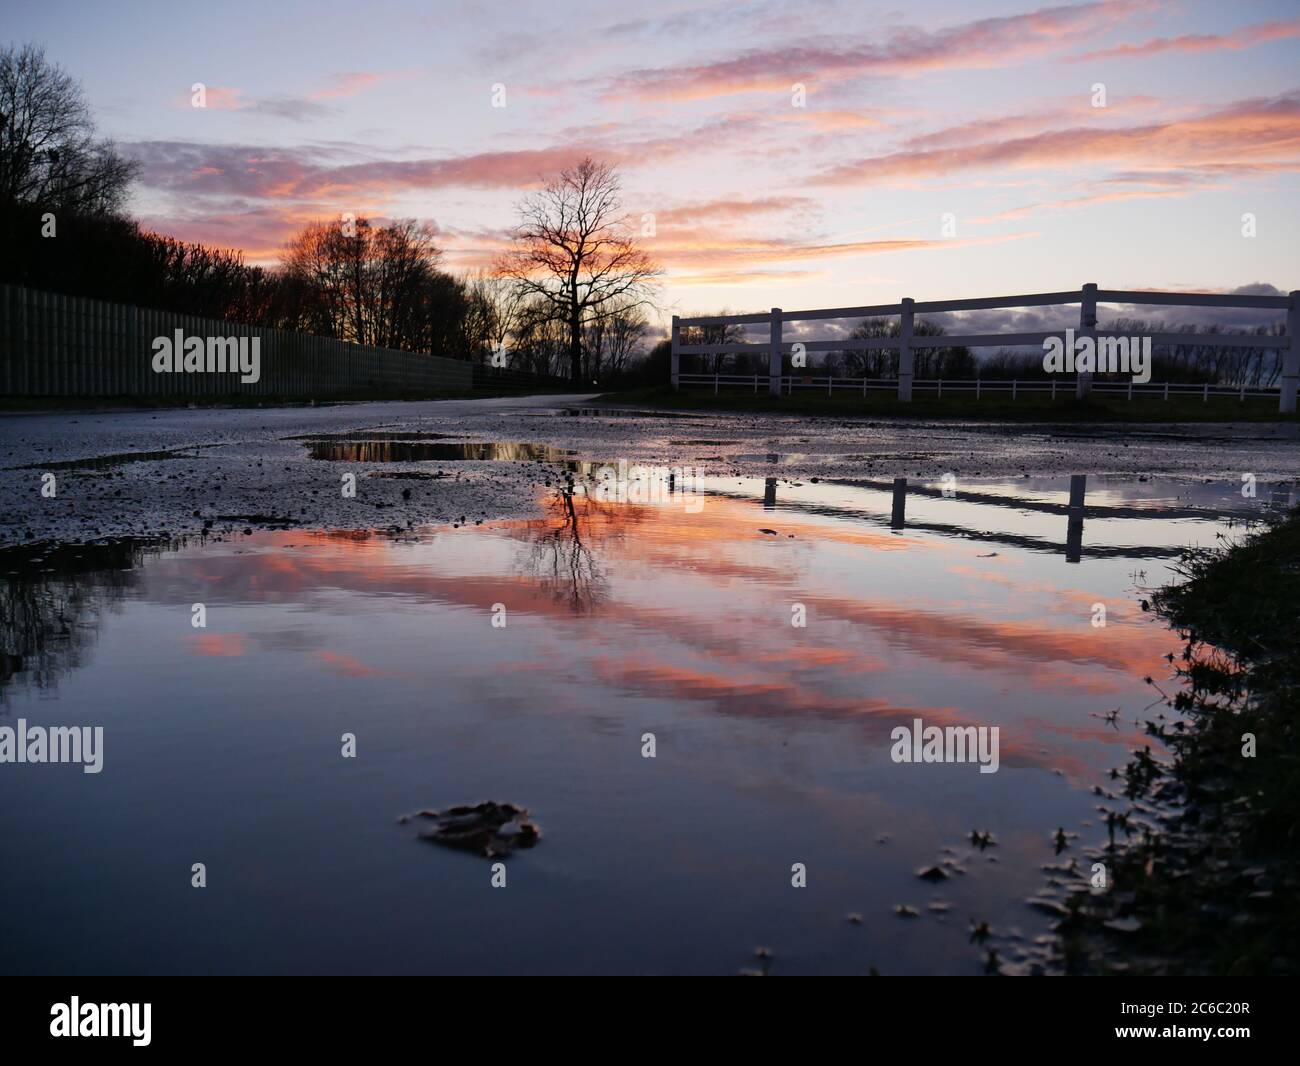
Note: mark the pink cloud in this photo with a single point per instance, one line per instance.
(1068, 203)
(985, 43)
(349, 84)
(1255, 131)
(1202, 42)
(218, 98)
(710, 211)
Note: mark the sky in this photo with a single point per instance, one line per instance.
(798, 155)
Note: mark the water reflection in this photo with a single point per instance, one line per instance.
(221, 744)
(53, 600)
(898, 510)
(1074, 531)
(622, 412)
(415, 451)
(972, 512)
(110, 462)
(559, 558)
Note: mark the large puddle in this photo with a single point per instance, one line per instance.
(391, 450)
(222, 745)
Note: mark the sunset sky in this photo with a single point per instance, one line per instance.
(978, 108)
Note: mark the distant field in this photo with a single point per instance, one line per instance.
(1027, 408)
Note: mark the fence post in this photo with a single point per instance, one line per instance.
(898, 512)
(906, 358)
(1078, 486)
(676, 356)
(774, 355)
(1291, 364)
(1074, 518)
(1087, 328)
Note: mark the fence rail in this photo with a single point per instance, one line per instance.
(907, 344)
(56, 345)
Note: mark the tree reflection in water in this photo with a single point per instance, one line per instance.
(52, 602)
(560, 556)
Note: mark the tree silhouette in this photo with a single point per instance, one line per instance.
(49, 154)
(574, 251)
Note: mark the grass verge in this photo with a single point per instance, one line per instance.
(1204, 858)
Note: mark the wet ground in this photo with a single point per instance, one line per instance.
(970, 601)
(170, 472)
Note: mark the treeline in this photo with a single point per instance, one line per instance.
(64, 229)
(372, 284)
(569, 296)
(1219, 362)
(945, 362)
(524, 328)
(376, 285)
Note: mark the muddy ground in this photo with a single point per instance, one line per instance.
(117, 473)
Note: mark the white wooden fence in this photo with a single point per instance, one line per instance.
(907, 343)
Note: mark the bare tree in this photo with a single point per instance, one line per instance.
(369, 285)
(574, 250)
(719, 334)
(539, 342)
(401, 263)
(613, 338)
(954, 362)
(495, 308)
(49, 154)
(317, 259)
